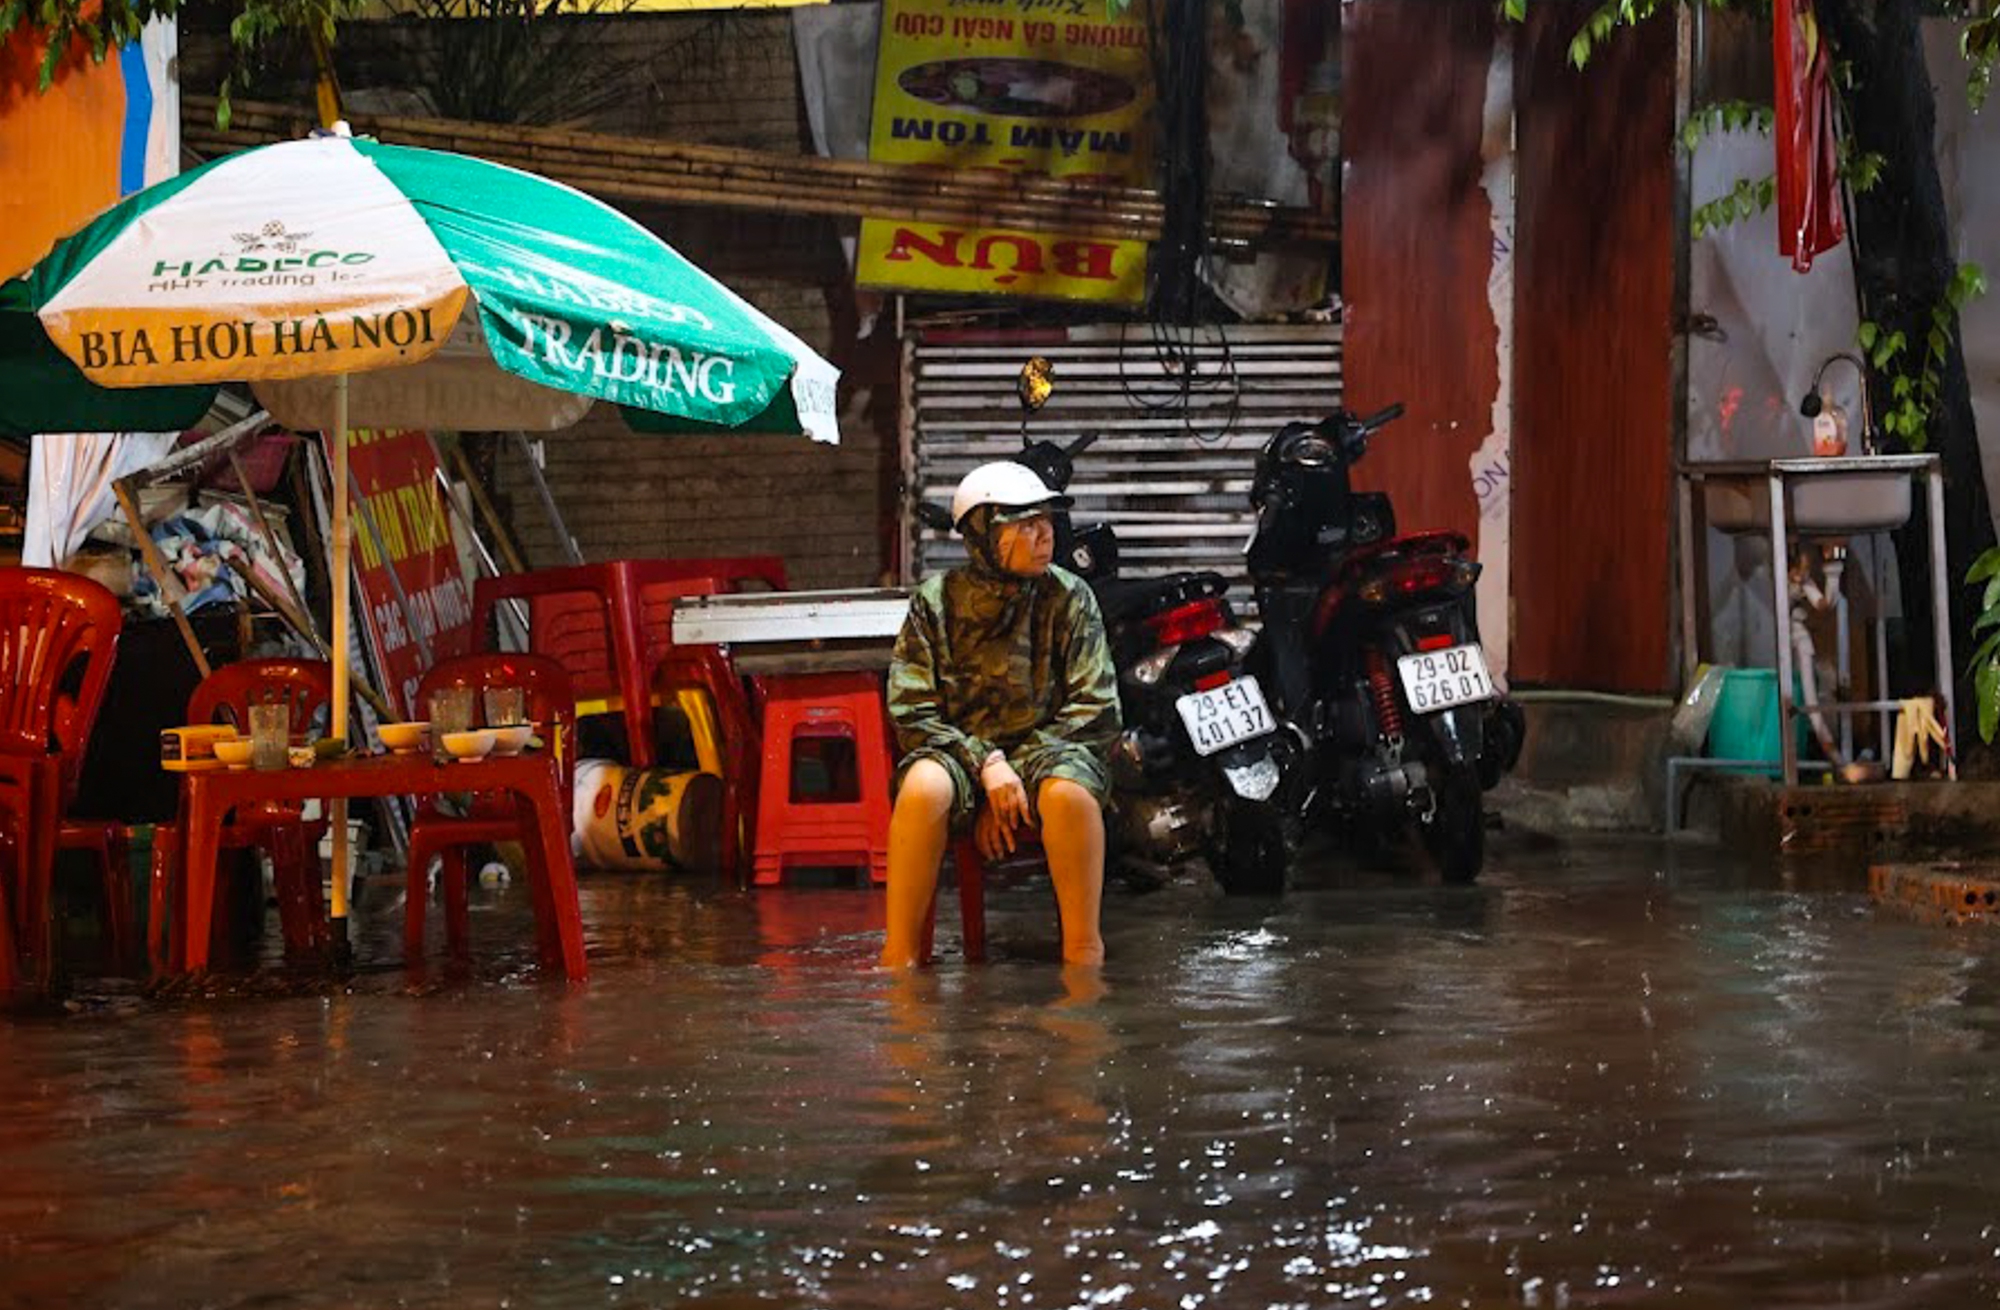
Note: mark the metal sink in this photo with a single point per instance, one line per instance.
(1831, 504)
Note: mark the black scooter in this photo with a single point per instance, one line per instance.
(1371, 648)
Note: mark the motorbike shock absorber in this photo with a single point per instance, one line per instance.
(1382, 691)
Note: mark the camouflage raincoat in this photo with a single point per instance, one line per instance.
(991, 660)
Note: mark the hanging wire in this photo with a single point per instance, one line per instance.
(1177, 45)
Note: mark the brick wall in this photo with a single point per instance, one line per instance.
(823, 508)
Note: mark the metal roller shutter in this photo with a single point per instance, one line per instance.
(1171, 468)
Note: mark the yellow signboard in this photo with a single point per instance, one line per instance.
(684, 6)
(1056, 87)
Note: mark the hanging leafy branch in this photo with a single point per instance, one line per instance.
(1985, 666)
(1914, 381)
(1744, 200)
(101, 27)
(1725, 116)
(1980, 44)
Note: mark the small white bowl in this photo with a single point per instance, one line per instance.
(235, 751)
(404, 738)
(511, 740)
(474, 745)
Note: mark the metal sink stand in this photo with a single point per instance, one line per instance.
(1780, 476)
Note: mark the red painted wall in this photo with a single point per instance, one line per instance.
(1593, 281)
(1416, 249)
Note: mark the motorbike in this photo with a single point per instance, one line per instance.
(1370, 648)
(1197, 770)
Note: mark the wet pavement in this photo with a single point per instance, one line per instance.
(1616, 1074)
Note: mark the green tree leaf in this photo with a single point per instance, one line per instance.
(1986, 687)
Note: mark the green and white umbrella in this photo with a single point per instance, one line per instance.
(456, 293)
(355, 284)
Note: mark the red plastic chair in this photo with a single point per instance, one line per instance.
(58, 638)
(654, 585)
(225, 696)
(707, 669)
(551, 702)
(608, 624)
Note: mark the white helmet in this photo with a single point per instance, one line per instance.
(1006, 484)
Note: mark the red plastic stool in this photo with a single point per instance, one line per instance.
(971, 877)
(972, 874)
(791, 830)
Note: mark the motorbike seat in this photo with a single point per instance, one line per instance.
(1379, 554)
(1129, 598)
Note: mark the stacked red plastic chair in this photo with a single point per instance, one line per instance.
(610, 624)
(58, 638)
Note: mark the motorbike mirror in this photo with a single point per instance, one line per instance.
(1383, 417)
(933, 515)
(1036, 384)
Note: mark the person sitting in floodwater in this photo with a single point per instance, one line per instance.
(1005, 702)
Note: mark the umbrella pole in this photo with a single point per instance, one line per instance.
(342, 599)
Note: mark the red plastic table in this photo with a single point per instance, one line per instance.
(207, 798)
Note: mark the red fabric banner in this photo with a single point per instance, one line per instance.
(1809, 215)
(397, 473)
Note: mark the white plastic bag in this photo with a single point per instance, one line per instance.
(1689, 728)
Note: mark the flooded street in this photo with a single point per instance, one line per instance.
(1614, 1074)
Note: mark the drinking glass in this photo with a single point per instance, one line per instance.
(506, 707)
(270, 735)
(451, 711)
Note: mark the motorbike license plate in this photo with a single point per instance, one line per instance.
(1436, 680)
(1220, 717)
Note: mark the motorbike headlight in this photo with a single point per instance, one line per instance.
(1312, 452)
(1148, 672)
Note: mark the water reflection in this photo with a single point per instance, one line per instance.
(1617, 1077)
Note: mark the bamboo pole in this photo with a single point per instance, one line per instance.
(270, 537)
(470, 476)
(675, 173)
(228, 439)
(343, 597)
(163, 573)
(257, 122)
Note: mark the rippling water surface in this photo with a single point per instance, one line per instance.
(1616, 1075)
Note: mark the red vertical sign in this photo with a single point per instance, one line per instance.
(395, 473)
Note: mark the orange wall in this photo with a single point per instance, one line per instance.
(60, 150)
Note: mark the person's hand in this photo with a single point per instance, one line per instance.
(1006, 796)
(991, 835)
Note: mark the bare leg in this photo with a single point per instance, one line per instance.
(918, 830)
(1073, 839)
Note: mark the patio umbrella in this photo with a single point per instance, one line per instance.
(356, 284)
